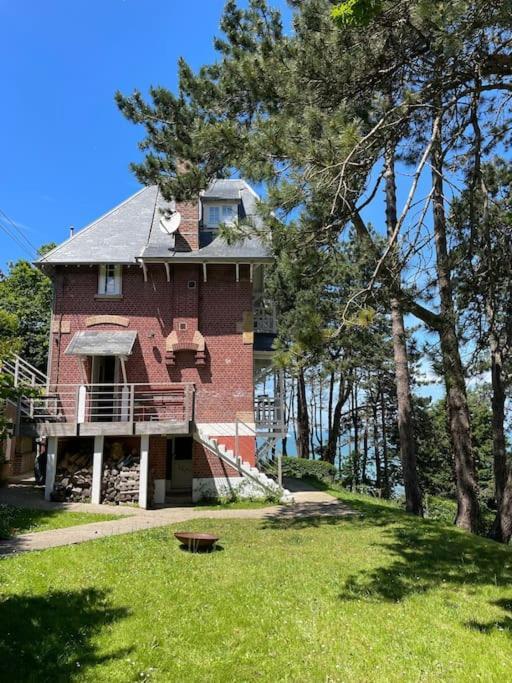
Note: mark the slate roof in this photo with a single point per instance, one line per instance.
(131, 231)
(116, 237)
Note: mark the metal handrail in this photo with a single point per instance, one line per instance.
(134, 402)
(23, 372)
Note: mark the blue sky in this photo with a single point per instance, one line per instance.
(65, 148)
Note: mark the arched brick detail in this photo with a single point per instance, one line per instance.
(178, 341)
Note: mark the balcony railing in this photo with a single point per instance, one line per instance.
(120, 408)
(265, 318)
(269, 415)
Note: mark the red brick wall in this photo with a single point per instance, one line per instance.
(157, 456)
(205, 464)
(246, 446)
(187, 239)
(224, 386)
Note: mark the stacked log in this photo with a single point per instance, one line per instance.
(120, 483)
(73, 478)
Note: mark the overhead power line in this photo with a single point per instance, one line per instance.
(17, 241)
(18, 231)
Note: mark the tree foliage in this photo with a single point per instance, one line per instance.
(25, 310)
(316, 114)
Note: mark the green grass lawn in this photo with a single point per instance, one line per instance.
(378, 596)
(16, 520)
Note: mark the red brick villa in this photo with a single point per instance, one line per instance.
(160, 337)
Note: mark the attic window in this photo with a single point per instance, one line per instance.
(109, 280)
(220, 213)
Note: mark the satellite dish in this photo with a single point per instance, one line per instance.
(170, 222)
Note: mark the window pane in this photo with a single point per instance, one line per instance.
(213, 215)
(110, 285)
(110, 279)
(228, 213)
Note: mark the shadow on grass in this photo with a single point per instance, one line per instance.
(424, 555)
(17, 520)
(417, 555)
(49, 637)
(202, 551)
(504, 624)
(339, 511)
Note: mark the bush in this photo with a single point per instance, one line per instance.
(444, 510)
(300, 468)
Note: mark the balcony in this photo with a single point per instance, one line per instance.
(111, 410)
(265, 318)
(269, 415)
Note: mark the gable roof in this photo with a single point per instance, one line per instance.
(130, 231)
(116, 237)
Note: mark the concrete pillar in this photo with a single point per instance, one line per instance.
(97, 470)
(144, 471)
(51, 466)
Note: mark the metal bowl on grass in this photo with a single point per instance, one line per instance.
(195, 542)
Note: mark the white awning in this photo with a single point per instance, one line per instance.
(106, 343)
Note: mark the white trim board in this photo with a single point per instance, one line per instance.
(227, 428)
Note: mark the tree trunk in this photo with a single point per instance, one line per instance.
(376, 451)
(501, 529)
(385, 460)
(330, 403)
(320, 415)
(364, 460)
(456, 398)
(334, 429)
(498, 422)
(355, 422)
(302, 417)
(413, 497)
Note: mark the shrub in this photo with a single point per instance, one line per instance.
(300, 468)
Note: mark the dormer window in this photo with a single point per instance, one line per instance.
(216, 214)
(109, 280)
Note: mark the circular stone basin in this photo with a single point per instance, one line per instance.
(196, 542)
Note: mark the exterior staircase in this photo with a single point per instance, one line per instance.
(22, 374)
(265, 484)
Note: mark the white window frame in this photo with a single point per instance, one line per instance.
(223, 210)
(110, 279)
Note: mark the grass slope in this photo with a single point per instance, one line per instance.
(234, 505)
(15, 520)
(378, 596)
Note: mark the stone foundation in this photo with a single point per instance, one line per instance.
(226, 487)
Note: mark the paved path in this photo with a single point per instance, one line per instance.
(22, 492)
(308, 503)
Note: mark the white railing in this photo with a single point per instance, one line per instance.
(269, 414)
(22, 372)
(85, 403)
(265, 318)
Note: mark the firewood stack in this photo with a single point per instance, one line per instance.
(120, 482)
(73, 479)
